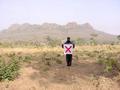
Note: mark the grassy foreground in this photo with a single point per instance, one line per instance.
(12, 58)
(92, 67)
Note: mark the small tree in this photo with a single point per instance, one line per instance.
(80, 41)
(118, 37)
(93, 41)
(93, 38)
(52, 42)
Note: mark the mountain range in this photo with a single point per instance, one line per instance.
(35, 32)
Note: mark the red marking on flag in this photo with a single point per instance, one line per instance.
(68, 49)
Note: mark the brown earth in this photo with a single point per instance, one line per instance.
(82, 75)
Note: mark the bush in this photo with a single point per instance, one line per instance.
(25, 58)
(108, 61)
(9, 70)
(52, 42)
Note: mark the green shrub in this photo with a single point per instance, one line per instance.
(25, 58)
(108, 61)
(9, 70)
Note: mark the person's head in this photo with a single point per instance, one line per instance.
(68, 38)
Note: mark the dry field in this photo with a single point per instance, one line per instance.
(44, 68)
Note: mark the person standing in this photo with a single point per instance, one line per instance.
(68, 47)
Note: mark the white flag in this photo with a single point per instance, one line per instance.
(68, 48)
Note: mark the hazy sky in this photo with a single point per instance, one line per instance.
(103, 15)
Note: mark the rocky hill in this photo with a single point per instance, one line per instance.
(28, 32)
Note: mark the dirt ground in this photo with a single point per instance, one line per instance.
(82, 75)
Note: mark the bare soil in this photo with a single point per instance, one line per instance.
(82, 75)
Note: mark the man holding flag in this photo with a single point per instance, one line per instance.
(68, 47)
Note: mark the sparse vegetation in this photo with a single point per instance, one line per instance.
(10, 69)
(48, 60)
(10, 65)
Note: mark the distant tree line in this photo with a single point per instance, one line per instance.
(53, 42)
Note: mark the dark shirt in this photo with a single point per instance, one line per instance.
(68, 42)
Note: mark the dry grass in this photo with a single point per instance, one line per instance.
(108, 48)
(47, 69)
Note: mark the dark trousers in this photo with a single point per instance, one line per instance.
(69, 59)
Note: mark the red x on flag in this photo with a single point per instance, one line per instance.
(68, 49)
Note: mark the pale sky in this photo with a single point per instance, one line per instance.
(103, 15)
